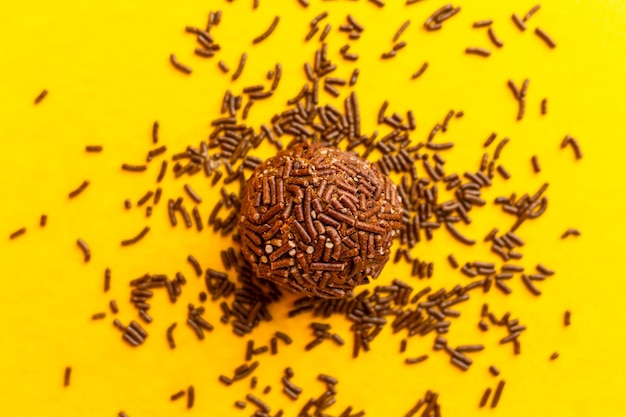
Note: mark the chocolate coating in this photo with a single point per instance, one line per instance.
(318, 221)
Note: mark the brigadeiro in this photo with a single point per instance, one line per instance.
(318, 221)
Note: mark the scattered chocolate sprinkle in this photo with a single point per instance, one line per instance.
(531, 12)
(411, 361)
(17, 233)
(170, 336)
(107, 279)
(502, 171)
(285, 338)
(178, 395)
(497, 394)
(41, 96)
(545, 37)
(134, 168)
(478, 51)
(567, 318)
(155, 132)
(222, 65)
(239, 70)
(258, 402)
(490, 139)
(401, 30)
(482, 23)
(143, 200)
(535, 162)
(156, 152)
(79, 190)
(113, 306)
(194, 196)
(66, 376)
(325, 32)
(137, 238)
(145, 316)
(420, 71)
(195, 264)
(86, 252)
(518, 22)
(179, 66)
(191, 395)
(268, 32)
(494, 39)
(162, 171)
(318, 18)
(570, 232)
(568, 140)
(458, 236)
(485, 398)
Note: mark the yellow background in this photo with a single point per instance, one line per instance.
(106, 68)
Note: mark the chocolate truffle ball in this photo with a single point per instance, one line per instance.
(318, 221)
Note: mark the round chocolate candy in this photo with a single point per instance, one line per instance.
(318, 221)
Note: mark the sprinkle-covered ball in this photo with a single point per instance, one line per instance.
(318, 221)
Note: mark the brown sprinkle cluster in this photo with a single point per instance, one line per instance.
(320, 221)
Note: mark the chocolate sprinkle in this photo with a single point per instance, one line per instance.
(181, 67)
(66, 376)
(497, 394)
(17, 233)
(268, 32)
(41, 96)
(137, 238)
(482, 23)
(478, 51)
(79, 190)
(420, 71)
(494, 39)
(83, 246)
(545, 37)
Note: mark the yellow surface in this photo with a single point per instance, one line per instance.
(106, 68)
